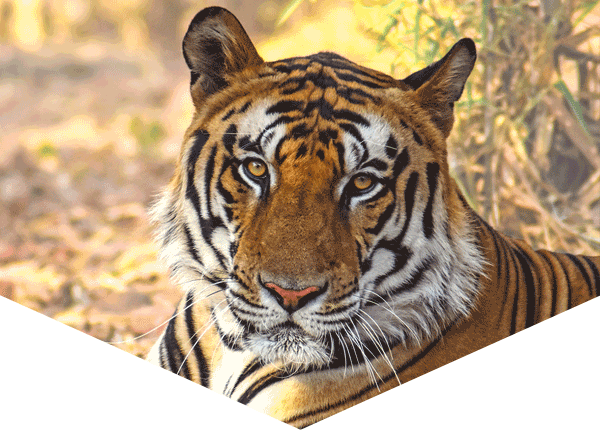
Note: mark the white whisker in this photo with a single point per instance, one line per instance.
(211, 321)
(171, 318)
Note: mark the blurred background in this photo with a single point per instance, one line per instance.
(94, 102)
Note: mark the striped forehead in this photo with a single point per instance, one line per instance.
(262, 128)
(364, 136)
(371, 139)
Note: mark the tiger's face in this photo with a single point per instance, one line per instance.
(312, 205)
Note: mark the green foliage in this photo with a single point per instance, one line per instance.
(148, 135)
(47, 149)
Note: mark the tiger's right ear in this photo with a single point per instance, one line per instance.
(215, 47)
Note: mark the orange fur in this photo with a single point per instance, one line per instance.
(388, 283)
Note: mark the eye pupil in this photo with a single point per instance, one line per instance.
(362, 182)
(256, 168)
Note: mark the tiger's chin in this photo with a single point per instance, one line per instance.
(289, 348)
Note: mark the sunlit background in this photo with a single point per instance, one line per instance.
(94, 102)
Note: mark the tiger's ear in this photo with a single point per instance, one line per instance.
(440, 84)
(215, 47)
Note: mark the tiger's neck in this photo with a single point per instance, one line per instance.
(517, 287)
(527, 286)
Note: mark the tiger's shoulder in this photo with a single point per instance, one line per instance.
(325, 250)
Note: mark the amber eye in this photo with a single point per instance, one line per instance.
(362, 182)
(256, 168)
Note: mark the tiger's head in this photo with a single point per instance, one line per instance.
(312, 207)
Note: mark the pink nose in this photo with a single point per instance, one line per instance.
(289, 299)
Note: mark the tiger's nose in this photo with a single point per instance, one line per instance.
(292, 300)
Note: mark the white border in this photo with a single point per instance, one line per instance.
(53, 376)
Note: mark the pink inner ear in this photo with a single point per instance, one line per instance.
(290, 297)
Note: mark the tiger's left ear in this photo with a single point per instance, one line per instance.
(441, 84)
(215, 47)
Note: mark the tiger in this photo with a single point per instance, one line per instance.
(325, 253)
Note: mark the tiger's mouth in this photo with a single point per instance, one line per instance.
(289, 346)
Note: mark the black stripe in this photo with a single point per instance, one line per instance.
(301, 152)
(227, 196)
(584, 272)
(347, 77)
(433, 170)
(409, 200)
(365, 154)
(263, 383)
(228, 115)
(278, 157)
(417, 137)
(191, 329)
(289, 68)
(190, 243)
(554, 286)
(392, 375)
(377, 164)
(194, 76)
(323, 107)
(400, 164)
(209, 170)
(596, 273)
(201, 137)
(401, 257)
(348, 94)
(280, 375)
(246, 144)
(383, 218)
(391, 147)
(342, 64)
(319, 80)
(526, 263)
(230, 136)
(328, 59)
(238, 280)
(228, 340)
(243, 299)
(340, 152)
(283, 119)
(568, 280)
(351, 116)
(300, 130)
(536, 284)
(266, 139)
(513, 324)
(190, 192)
(351, 129)
(245, 107)
(286, 106)
(207, 226)
(174, 353)
(502, 256)
(409, 284)
(366, 265)
(326, 136)
(252, 367)
(380, 194)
